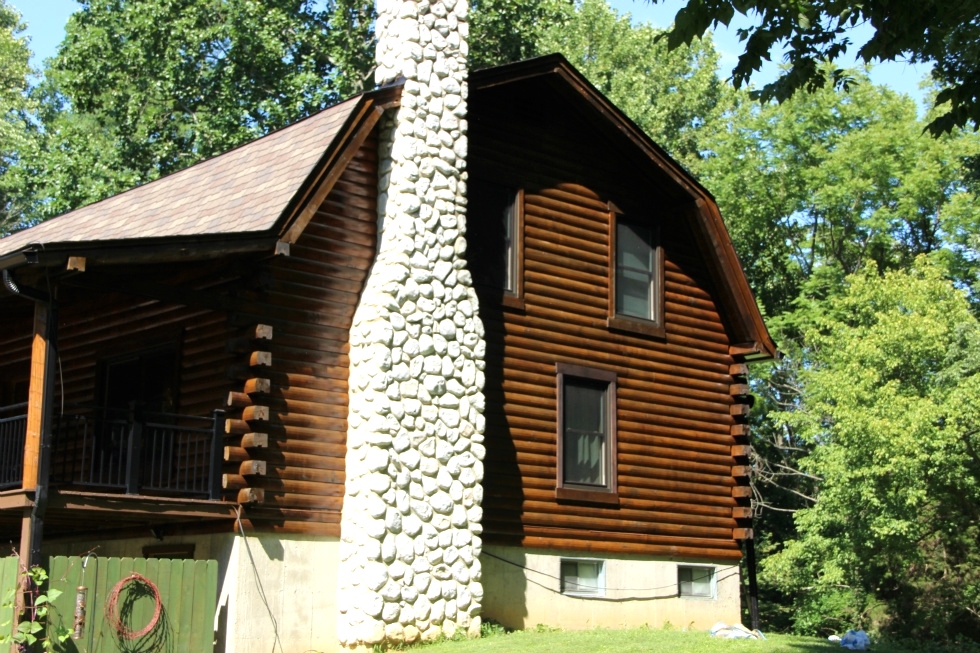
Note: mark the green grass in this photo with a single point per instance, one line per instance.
(646, 640)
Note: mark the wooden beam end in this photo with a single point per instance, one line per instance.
(76, 264)
(742, 533)
(260, 359)
(255, 441)
(252, 468)
(251, 495)
(741, 512)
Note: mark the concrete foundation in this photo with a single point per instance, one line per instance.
(522, 588)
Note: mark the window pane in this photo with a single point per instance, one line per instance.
(634, 294)
(634, 269)
(509, 262)
(633, 242)
(581, 576)
(491, 235)
(584, 460)
(701, 582)
(694, 581)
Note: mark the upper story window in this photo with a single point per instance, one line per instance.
(495, 225)
(586, 434)
(637, 276)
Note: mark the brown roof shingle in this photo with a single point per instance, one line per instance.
(244, 190)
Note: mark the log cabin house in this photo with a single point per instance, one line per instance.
(176, 370)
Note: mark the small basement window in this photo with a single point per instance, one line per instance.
(583, 577)
(696, 582)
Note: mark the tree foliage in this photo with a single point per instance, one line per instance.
(813, 31)
(825, 181)
(141, 88)
(15, 105)
(892, 412)
(820, 187)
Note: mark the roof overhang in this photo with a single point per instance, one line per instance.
(291, 219)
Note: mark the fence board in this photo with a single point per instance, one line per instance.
(188, 595)
(9, 578)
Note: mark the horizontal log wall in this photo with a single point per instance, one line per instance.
(307, 301)
(674, 400)
(96, 325)
(16, 329)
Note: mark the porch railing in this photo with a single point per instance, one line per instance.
(13, 427)
(125, 451)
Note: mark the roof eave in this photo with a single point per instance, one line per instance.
(140, 250)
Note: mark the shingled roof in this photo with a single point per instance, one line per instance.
(252, 189)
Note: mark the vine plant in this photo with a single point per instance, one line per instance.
(31, 632)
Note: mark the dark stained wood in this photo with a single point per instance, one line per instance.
(295, 414)
(676, 392)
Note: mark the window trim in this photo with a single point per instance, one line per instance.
(630, 323)
(577, 493)
(713, 583)
(600, 578)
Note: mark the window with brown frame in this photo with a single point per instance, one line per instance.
(586, 434)
(636, 276)
(495, 228)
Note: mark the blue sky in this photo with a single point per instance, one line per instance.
(46, 24)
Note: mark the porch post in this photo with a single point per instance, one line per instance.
(40, 416)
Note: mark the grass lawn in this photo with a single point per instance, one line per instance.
(641, 640)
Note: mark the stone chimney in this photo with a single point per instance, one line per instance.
(410, 529)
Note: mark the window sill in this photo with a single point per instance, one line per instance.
(636, 325)
(512, 301)
(575, 495)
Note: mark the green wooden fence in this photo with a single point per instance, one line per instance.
(188, 592)
(8, 583)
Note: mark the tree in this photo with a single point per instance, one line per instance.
(824, 181)
(15, 134)
(811, 189)
(892, 411)
(946, 34)
(141, 88)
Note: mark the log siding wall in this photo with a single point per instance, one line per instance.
(308, 298)
(674, 428)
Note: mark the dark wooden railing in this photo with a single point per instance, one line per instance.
(13, 427)
(130, 451)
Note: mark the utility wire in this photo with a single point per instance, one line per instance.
(258, 581)
(608, 589)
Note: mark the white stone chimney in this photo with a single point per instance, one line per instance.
(410, 529)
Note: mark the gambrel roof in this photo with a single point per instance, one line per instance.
(265, 192)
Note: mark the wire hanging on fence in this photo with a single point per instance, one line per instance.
(142, 586)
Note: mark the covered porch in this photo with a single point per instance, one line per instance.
(112, 398)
